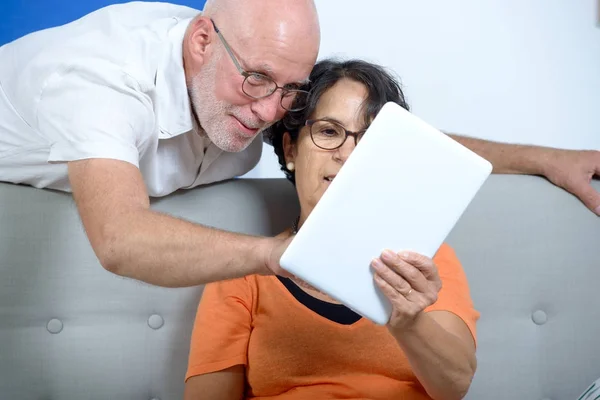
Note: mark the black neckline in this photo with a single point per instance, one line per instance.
(338, 313)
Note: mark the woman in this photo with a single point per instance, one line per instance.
(268, 337)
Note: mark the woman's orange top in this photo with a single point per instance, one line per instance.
(290, 352)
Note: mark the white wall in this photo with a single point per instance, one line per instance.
(519, 71)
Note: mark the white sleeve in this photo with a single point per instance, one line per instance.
(87, 114)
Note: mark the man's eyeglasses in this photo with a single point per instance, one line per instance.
(330, 135)
(258, 86)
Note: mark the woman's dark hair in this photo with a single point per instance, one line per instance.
(381, 88)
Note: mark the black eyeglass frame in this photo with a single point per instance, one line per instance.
(285, 91)
(356, 135)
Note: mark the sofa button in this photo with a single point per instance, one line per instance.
(155, 321)
(539, 317)
(54, 326)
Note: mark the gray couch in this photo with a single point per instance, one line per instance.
(70, 330)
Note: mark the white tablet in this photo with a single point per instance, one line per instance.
(404, 187)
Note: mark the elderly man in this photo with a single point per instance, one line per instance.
(141, 99)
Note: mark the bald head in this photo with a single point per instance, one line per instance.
(286, 21)
(302, 8)
(276, 42)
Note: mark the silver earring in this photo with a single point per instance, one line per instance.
(290, 166)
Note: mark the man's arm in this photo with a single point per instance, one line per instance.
(134, 241)
(571, 170)
(508, 158)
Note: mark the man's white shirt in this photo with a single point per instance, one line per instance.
(109, 85)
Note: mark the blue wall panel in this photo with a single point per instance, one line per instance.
(20, 17)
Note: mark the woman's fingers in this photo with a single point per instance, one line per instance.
(391, 277)
(412, 275)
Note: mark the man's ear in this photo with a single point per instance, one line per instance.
(289, 148)
(200, 38)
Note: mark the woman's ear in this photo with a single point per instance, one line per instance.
(289, 150)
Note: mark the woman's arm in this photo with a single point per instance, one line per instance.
(219, 342)
(441, 351)
(227, 384)
(438, 344)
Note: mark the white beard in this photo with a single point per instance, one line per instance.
(215, 116)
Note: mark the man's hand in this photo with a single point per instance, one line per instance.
(573, 170)
(410, 281)
(275, 247)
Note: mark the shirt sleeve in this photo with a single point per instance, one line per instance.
(455, 295)
(222, 327)
(94, 114)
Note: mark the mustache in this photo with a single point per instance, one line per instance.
(253, 123)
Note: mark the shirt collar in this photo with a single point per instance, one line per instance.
(172, 99)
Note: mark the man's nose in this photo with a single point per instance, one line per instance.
(269, 109)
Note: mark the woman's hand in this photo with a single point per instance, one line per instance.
(410, 281)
